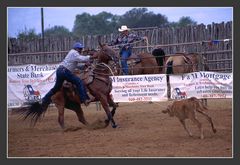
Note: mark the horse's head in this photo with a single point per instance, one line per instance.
(199, 62)
(107, 54)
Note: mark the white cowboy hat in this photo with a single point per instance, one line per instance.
(123, 28)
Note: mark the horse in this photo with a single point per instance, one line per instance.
(99, 84)
(159, 54)
(184, 63)
(181, 63)
(142, 63)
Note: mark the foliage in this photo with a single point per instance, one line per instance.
(139, 17)
(106, 23)
(28, 34)
(183, 21)
(57, 31)
(102, 23)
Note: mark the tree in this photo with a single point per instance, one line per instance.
(82, 24)
(184, 21)
(140, 17)
(133, 17)
(28, 34)
(57, 31)
(102, 23)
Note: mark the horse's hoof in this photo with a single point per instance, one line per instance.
(114, 126)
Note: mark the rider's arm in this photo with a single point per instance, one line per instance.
(80, 58)
(134, 37)
(114, 42)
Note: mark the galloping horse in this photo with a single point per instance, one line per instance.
(142, 63)
(98, 83)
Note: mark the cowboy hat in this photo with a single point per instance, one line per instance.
(123, 28)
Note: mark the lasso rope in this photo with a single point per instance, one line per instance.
(107, 67)
(145, 40)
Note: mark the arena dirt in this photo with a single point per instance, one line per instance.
(144, 131)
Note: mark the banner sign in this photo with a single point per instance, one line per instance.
(201, 85)
(139, 88)
(28, 83)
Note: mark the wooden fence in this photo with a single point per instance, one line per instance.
(213, 41)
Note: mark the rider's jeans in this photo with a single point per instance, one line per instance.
(62, 74)
(124, 56)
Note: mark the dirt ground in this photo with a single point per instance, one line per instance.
(144, 131)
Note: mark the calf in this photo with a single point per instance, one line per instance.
(185, 109)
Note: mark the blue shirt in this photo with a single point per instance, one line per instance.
(123, 41)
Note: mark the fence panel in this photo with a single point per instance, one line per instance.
(187, 39)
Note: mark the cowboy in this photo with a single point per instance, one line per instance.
(123, 41)
(65, 72)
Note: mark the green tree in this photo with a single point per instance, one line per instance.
(57, 31)
(184, 21)
(82, 24)
(28, 34)
(102, 23)
(131, 18)
(140, 17)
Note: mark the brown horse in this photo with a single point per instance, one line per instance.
(142, 63)
(98, 83)
(184, 63)
(181, 63)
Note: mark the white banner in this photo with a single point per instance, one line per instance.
(27, 83)
(201, 85)
(139, 88)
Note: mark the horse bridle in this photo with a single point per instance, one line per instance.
(112, 57)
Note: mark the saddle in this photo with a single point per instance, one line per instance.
(134, 59)
(70, 90)
(86, 75)
(187, 59)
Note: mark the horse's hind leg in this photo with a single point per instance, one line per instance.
(60, 115)
(80, 116)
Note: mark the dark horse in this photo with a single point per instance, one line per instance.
(99, 84)
(142, 63)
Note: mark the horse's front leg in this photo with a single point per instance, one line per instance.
(112, 104)
(104, 103)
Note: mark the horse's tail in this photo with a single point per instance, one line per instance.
(169, 63)
(159, 55)
(35, 111)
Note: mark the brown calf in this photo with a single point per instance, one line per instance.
(185, 109)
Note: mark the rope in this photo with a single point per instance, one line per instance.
(107, 67)
(125, 44)
(146, 40)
